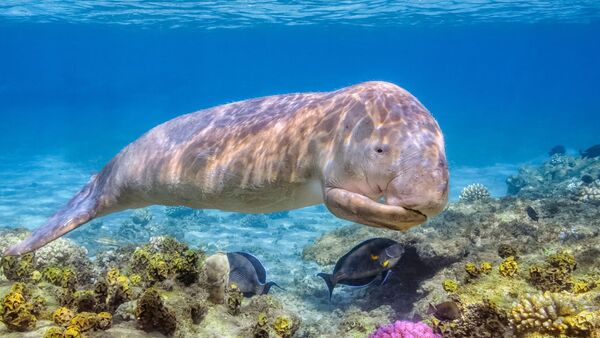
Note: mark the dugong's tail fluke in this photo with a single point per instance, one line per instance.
(80, 209)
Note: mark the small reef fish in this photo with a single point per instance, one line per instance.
(532, 213)
(558, 149)
(591, 152)
(362, 265)
(587, 179)
(248, 274)
(444, 311)
(108, 241)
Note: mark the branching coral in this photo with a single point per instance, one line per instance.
(553, 313)
(474, 192)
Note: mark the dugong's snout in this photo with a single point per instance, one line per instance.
(423, 190)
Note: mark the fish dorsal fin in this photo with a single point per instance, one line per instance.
(261, 274)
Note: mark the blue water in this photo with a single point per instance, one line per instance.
(79, 80)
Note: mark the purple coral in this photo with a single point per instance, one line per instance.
(404, 329)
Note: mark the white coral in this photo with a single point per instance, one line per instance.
(474, 192)
(589, 192)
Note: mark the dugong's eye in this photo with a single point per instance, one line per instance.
(382, 148)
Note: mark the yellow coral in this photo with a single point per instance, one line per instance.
(485, 267)
(17, 314)
(84, 321)
(72, 332)
(112, 276)
(283, 326)
(582, 323)
(62, 316)
(104, 321)
(36, 276)
(53, 275)
(135, 279)
(562, 260)
(12, 301)
(582, 286)
(508, 267)
(262, 319)
(69, 278)
(17, 268)
(450, 285)
(472, 269)
(54, 332)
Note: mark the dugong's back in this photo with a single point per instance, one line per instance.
(277, 153)
(226, 153)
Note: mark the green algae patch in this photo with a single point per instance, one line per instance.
(499, 290)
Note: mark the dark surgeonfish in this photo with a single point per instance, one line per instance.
(591, 152)
(532, 213)
(444, 311)
(248, 274)
(364, 264)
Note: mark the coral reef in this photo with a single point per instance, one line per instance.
(152, 315)
(165, 258)
(489, 255)
(508, 267)
(450, 285)
(483, 319)
(404, 329)
(19, 309)
(553, 313)
(475, 192)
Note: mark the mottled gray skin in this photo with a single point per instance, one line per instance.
(371, 152)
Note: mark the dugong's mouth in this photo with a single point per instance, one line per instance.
(362, 209)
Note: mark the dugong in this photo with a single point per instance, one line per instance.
(371, 152)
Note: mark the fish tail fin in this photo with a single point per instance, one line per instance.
(81, 208)
(327, 278)
(431, 309)
(267, 286)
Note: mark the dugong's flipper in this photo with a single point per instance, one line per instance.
(80, 209)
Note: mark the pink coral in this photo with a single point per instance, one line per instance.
(404, 329)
